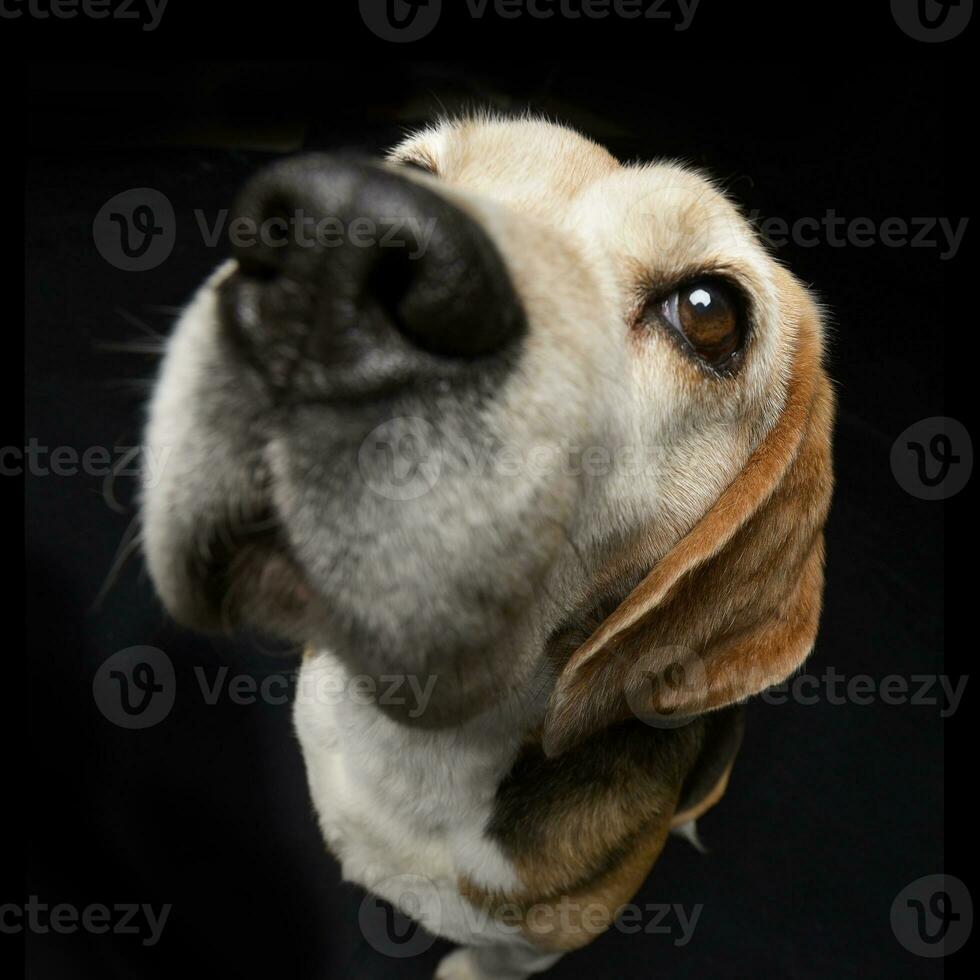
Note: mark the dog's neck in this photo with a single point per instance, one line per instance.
(432, 789)
(477, 752)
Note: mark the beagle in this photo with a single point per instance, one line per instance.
(558, 451)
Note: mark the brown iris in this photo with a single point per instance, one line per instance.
(708, 314)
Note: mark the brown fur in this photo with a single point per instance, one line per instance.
(583, 829)
(704, 575)
(734, 606)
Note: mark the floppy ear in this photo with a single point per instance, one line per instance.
(733, 607)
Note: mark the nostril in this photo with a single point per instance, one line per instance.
(261, 234)
(339, 258)
(257, 267)
(388, 283)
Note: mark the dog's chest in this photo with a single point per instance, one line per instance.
(402, 809)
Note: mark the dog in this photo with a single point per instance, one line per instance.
(558, 451)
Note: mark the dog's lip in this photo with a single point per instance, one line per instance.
(246, 573)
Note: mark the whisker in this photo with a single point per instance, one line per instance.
(138, 324)
(133, 384)
(151, 347)
(109, 484)
(166, 310)
(131, 540)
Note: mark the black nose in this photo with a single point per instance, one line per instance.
(357, 268)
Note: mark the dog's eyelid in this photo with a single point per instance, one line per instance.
(418, 163)
(659, 287)
(719, 341)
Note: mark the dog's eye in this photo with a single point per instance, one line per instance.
(709, 314)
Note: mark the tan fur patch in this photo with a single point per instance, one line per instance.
(740, 595)
(734, 606)
(584, 829)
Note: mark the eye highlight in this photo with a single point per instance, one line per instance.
(709, 316)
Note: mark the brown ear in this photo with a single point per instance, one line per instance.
(733, 607)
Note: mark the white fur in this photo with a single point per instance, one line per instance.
(579, 234)
(405, 809)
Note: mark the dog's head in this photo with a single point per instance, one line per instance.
(495, 409)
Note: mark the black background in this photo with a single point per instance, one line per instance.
(832, 809)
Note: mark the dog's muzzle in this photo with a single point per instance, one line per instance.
(354, 280)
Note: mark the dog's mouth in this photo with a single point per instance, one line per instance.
(247, 575)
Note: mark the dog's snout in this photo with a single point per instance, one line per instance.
(339, 259)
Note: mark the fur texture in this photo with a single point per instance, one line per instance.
(651, 552)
